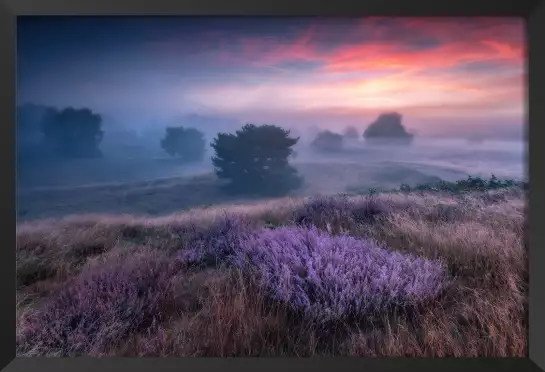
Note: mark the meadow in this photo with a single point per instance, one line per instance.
(158, 186)
(425, 271)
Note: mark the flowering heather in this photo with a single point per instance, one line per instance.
(106, 285)
(99, 308)
(332, 277)
(215, 242)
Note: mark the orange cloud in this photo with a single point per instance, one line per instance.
(388, 56)
(403, 91)
(404, 73)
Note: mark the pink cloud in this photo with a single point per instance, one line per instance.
(399, 56)
(425, 82)
(492, 42)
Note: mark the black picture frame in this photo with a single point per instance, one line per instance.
(532, 11)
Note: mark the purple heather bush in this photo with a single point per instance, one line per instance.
(212, 244)
(333, 277)
(99, 308)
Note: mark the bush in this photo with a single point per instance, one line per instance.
(255, 160)
(73, 133)
(466, 185)
(30, 142)
(388, 125)
(91, 315)
(327, 141)
(212, 244)
(334, 277)
(186, 143)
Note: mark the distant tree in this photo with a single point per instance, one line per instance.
(351, 133)
(186, 143)
(73, 133)
(255, 160)
(327, 141)
(388, 125)
(29, 134)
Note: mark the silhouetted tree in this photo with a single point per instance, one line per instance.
(186, 143)
(30, 137)
(327, 141)
(387, 126)
(351, 133)
(255, 160)
(73, 133)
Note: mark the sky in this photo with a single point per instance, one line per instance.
(446, 76)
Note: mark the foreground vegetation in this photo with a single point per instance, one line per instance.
(432, 272)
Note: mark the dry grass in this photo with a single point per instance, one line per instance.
(219, 311)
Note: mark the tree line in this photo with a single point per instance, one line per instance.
(255, 159)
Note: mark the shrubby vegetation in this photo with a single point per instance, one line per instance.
(214, 244)
(29, 134)
(420, 274)
(254, 160)
(334, 277)
(73, 133)
(387, 126)
(328, 277)
(327, 141)
(44, 133)
(470, 184)
(123, 294)
(465, 185)
(186, 143)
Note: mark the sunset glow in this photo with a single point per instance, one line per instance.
(436, 71)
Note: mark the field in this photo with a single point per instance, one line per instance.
(172, 194)
(394, 274)
(155, 187)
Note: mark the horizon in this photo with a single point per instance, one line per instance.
(448, 77)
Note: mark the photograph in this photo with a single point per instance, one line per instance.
(266, 186)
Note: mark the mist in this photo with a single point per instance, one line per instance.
(132, 152)
(461, 100)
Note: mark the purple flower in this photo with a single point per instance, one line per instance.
(99, 308)
(215, 243)
(336, 276)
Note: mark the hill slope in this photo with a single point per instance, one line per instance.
(169, 195)
(407, 274)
